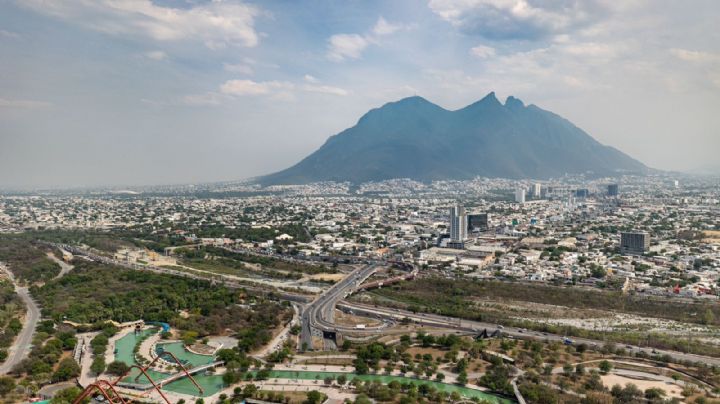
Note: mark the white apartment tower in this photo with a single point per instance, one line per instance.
(520, 195)
(458, 224)
(537, 190)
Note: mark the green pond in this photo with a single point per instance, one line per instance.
(212, 384)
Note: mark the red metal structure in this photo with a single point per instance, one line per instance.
(111, 386)
(142, 370)
(96, 387)
(184, 369)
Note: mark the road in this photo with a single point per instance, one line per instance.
(64, 266)
(23, 342)
(476, 327)
(319, 315)
(277, 342)
(223, 279)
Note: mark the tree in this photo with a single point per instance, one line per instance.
(7, 384)
(98, 364)
(362, 399)
(630, 394)
(361, 367)
(708, 317)
(67, 369)
(654, 393)
(341, 380)
(117, 368)
(67, 396)
(314, 397)
(462, 378)
(538, 393)
(594, 382)
(605, 367)
(580, 369)
(249, 390)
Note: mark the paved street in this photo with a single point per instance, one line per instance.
(23, 342)
(475, 326)
(318, 315)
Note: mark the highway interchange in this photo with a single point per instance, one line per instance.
(317, 315)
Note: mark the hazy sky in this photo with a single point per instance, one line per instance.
(97, 92)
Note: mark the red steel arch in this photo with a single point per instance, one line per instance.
(142, 370)
(184, 369)
(95, 386)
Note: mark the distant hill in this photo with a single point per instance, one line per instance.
(414, 138)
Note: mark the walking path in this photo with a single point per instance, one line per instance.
(64, 266)
(279, 339)
(23, 342)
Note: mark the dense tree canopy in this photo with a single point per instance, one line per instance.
(94, 293)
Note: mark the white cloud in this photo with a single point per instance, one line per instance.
(202, 99)
(250, 87)
(238, 68)
(351, 46)
(482, 51)
(383, 27)
(8, 34)
(314, 87)
(156, 55)
(325, 90)
(279, 90)
(346, 46)
(512, 19)
(705, 65)
(592, 49)
(23, 104)
(216, 23)
(695, 56)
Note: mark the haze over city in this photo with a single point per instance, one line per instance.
(359, 202)
(155, 92)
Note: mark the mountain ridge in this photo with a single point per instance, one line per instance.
(415, 138)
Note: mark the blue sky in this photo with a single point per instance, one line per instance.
(97, 92)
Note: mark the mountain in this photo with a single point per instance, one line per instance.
(414, 138)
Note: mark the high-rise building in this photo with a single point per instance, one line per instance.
(613, 190)
(520, 195)
(478, 222)
(634, 243)
(458, 224)
(537, 190)
(582, 193)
